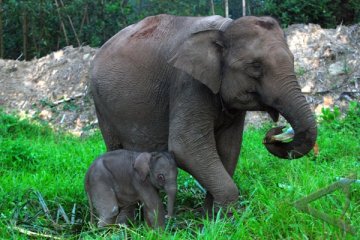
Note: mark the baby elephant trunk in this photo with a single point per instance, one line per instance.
(171, 196)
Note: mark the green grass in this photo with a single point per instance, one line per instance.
(33, 156)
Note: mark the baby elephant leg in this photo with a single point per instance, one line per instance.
(105, 203)
(126, 215)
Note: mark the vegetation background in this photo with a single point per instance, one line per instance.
(34, 28)
(34, 157)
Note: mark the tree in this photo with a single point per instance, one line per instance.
(226, 6)
(25, 31)
(33, 28)
(211, 2)
(1, 31)
(243, 7)
(327, 13)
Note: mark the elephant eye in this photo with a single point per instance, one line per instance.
(254, 70)
(161, 177)
(256, 65)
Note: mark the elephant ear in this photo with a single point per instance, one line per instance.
(141, 165)
(200, 56)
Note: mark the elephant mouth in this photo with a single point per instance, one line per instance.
(274, 114)
(247, 98)
(248, 101)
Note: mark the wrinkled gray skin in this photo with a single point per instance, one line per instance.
(185, 83)
(118, 180)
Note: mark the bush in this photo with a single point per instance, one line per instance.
(327, 13)
(34, 28)
(350, 123)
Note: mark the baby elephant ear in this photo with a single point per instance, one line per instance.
(172, 155)
(141, 165)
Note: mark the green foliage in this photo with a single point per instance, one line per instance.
(353, 115)
(86, 22)
(34, 28)
(93, 21)
(350, 123)
(174, 7)
(329, 115)
(327, 13)
(33, 156)
(335, 125)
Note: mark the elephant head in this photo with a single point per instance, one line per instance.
(249, 64)
(162, 172)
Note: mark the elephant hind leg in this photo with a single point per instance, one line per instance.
(112, 140)
(105, 202)
(108, 214)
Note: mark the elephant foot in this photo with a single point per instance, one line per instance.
(208, 203)
(212, 211)
(105, 222)
(212, 208)
(127, 215)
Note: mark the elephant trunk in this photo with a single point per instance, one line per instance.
(171, 196)
(292, 105)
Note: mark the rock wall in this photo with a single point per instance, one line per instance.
(55, 88)
(327, 62)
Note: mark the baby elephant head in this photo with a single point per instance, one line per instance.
(161, 169)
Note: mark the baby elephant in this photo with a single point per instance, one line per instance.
(118, 180)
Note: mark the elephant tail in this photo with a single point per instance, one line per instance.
(87, 190)
(91, 209)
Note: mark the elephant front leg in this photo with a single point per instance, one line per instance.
(228, 144)
(199, 158)
(155, 216)
(127, 214)
(193, 113)
(195, 151)
(153, 207)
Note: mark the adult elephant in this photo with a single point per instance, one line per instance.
(185, 83)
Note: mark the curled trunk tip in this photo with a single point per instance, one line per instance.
(302, 144)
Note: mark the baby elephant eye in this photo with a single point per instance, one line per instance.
(161, 177)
